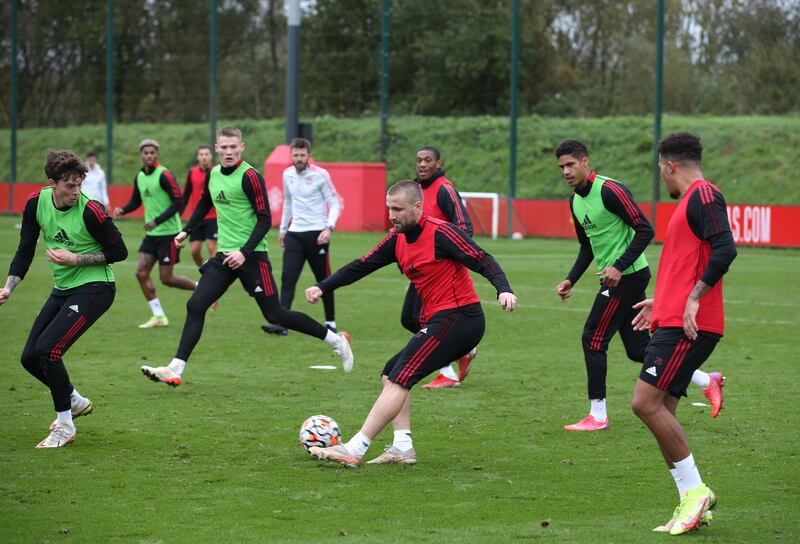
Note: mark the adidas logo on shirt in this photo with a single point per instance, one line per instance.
(147, 192)
(413, 273)
(221, 199)
(62, 238)
(587, 223)
(74, 308)
(652, 371)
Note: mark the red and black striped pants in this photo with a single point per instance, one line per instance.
(62, 320)
(612, 312)
(448, 335)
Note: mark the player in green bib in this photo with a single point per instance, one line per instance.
(156, 188)
(238, 193)
(613, 232)
(81, 242)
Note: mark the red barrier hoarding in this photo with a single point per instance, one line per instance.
(751, 225)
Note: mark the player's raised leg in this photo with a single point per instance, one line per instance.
(258, 282)
(215, 280)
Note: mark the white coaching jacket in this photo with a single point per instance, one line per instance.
(310, 201)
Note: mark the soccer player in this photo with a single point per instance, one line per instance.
(94, 184)
(686, 316)
(206, 231)
(81, 242)
(435, 255)
(237, 190)
(156, 188)
(441, 201)
(310, 211)
(613, 231)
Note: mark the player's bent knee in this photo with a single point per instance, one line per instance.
(30, 359)
(643, 407)
(169, 280)
(43, 352)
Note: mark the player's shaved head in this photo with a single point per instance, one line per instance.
(408, 188)
(429, 148)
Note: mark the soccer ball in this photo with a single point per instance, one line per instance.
(321, 431)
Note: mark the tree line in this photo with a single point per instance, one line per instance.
(451, 57)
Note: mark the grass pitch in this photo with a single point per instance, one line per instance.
(216, 460)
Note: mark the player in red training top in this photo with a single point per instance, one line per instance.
(440, 201)
(435, 256)
(686, 316)
(206, 231)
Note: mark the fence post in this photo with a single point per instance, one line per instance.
(110, 91)
(14, 85)
(212, 76)
(385, 20)
(657, 113)
(512, 159)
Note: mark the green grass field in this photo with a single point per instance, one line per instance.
(216, 460)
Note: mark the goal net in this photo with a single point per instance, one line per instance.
(484, 210)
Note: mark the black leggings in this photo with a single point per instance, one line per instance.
(61, 321)
(255, 275)
(300, 247)
(612, 312)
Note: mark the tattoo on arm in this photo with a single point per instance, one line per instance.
(699, 290)
(12, 282)
(90, 258)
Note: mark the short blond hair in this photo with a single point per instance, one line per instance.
(230, 131)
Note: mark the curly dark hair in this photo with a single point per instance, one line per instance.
(63, 165)
(680, 147)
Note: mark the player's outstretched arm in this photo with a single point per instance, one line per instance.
(381, 255)
(453, 243)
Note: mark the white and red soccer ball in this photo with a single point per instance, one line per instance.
(321, 431)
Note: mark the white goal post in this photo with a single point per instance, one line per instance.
(495, 198)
